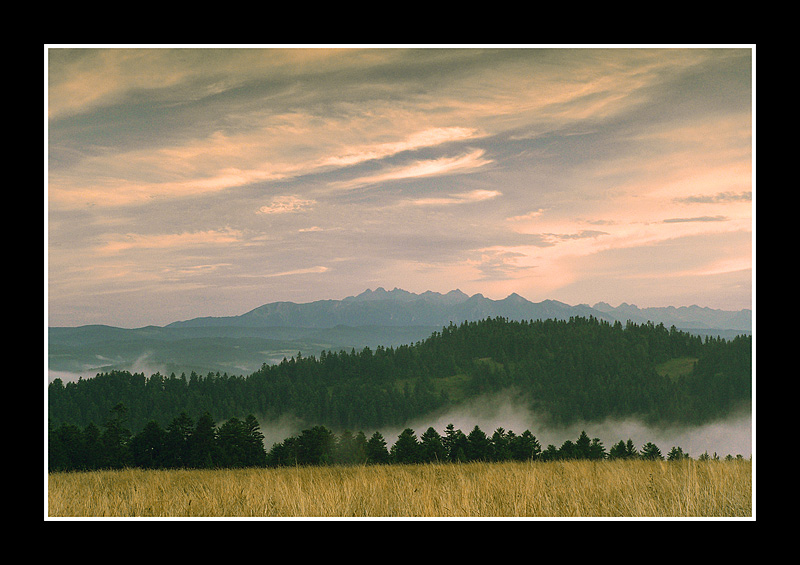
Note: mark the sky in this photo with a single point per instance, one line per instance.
(207, 181)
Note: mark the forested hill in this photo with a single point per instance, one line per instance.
(241, 344)
(577, 369)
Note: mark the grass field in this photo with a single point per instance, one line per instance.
(553, 489)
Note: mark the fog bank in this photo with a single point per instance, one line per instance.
(733, 435)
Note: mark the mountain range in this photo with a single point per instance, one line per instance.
(268, 333)
(399, 307)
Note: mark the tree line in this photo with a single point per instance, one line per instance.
(577, 369)
(240, 443)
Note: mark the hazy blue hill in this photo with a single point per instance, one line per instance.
(266, 334)
(685, 317)
(395, 308)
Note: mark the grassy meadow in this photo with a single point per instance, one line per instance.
(620, 488)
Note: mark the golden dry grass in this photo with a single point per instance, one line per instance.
(554, 489)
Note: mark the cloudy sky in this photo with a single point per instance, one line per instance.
(184, 182)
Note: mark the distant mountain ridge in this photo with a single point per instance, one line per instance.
(268, 333)
(399, 307)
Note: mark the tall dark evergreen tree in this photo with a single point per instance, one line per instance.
(231, 444)
(582, 446)
(568, 450)
(406, 449)
(347, 450)
(479, 448)
(676, 454)
(630, 450)
(455, 444)
(202, 444)
(524, 447)
(148, 447)
(617, 450)
(315, 446)
(256, 454)
(597, 450)
(115, 439)
(431, 447)
(92, 447)
(376, 449)
(177, 441)
(651, 451)
(501, 444)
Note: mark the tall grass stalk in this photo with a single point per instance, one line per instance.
(555, 489)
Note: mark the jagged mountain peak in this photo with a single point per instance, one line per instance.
(398, 307)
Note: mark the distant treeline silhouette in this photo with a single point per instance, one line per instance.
(240, 443)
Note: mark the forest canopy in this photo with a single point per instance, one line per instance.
(239, 443)
(577, 369)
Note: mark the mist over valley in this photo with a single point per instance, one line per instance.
(277, 334)
(268, 334)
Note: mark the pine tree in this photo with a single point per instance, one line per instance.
(92, 448)
(567, 450)
(630, 450)
(501, 444)
(478, 445)
(115, 439)
(148, 447)
(176, 441)
(676, 454)
(256, 455)
(651, 451)
(455, 444)
(596, 450)
(618, 451)
(376, 450)
(431, 446)
(315, 446)
(406, 449)
(550, 453)
(582, 445)
(345, 452)
(527, 447)
(231, 444)
(202, 444)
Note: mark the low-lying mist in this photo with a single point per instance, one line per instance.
(731, 436)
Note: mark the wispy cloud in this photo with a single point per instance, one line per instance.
(132, 241)
(719, 198)
(310, 270)
(422, 168)
(499, 264)
(458, 198)
(220, 161)
(583, 234)
(696, 219)
(184, 173)
(286, 204)
(526, 217)
(417, 140)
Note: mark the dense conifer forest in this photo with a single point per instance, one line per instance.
(577, 369)
(186, 444)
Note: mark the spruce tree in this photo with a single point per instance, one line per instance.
(202, 444)
(406, 449)
(478, 445)
(431, 446)
(256, 455)
(376, 450)
(651, 451)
